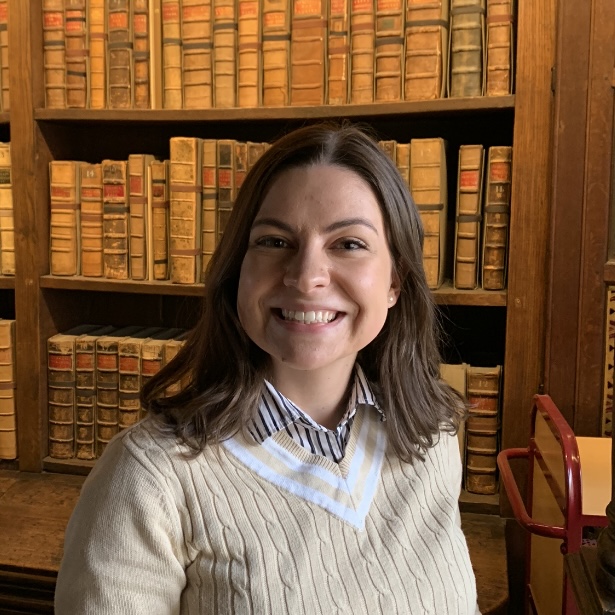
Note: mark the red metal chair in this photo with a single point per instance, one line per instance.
(556, 511)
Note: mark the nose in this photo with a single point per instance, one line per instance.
(307, 269)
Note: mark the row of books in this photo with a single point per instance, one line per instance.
(198, 54)
(8, 419)
(144, 219)
(479, 437)
(95, 374)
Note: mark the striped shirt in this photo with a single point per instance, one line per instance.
(276, 412)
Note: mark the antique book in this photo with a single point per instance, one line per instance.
(226, 182)
(455, 376)
(138, 165)
(107, 385)
(469, 216)
(91, 220)
(129, 376)
(482, 429)
(54, 54)
(169, 352)
(249, 53)
(152, 354)
(197, 52)
(500, 51)
(429, 191)
(609, 364)
(141, 54)
(308, 52)
(119, 55)
(158, 219)
(7, 222)
(389, 49)
(155, 54)
(496, 218)
(255, 151)
(185, 210)
(210, 203)
(8, 423)
(61, 391)
(276, 52)
(75, 34)
(427, 34)
(85, 392)
(97, 43)
(64, 219)
(241, 164)
(389, 147)
(116, 221)
(402, 161)
(362, 41)
(338, 52)
(171, 55)
(225, 47)
(4, 55)
(467, 48)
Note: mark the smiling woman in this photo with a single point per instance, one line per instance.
(309, 464)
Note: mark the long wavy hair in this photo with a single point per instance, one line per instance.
(223, 370)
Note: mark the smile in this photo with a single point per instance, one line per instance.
(308, 318)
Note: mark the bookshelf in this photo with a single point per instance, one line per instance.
(46, 304)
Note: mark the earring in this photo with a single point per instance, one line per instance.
(391, 299)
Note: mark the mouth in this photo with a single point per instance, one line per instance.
(319, 317)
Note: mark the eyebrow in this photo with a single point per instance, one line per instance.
(332, 227)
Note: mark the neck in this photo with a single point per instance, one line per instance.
(321, 394)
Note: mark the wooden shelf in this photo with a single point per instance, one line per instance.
(447, 295)
(68, 466)
(121, 286)
(7, 281)
(483, 504)
(427, 107)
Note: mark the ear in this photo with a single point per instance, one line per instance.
(394, 290)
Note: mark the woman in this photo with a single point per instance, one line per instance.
(310, 465)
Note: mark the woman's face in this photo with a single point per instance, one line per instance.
(317, 280)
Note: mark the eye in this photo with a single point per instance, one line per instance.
(351, 244)
(271, 242)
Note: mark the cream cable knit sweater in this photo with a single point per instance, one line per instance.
(267, 529)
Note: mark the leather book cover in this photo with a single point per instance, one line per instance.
(255, 151)
(402, 161)
(119, 55)
(210, 202)
(389, 49)
(75, 35)
(116, 220)
(427, 37)
(362, 41)
(500, 51)
(185, 210)
(338, 53)
(496, 218)
(54, 54)
(97, 44)
(91, 220)
(225, 54)
(469, 216)
(64, 219)
(276, 52)
(249, 53)
(158, 217)
(152, 354)
(8, 424)
(141, 55)
(226, 182)
(172, 88)
(389, 147)
(197, 54)
(7, 221)
(169, 352)
(4, 56)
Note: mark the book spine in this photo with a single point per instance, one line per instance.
(427, 34)
(429, 190)
(469, 216)
(500, 36)
(255, 151)
(197, 50)
(482, 429)
(60, 395)
(64, 220)
(151, 358)
(170, 351)
(389, 50)
(116, 222)
(159, 191)
(276, 53)
(496, 218)
(249, 54)
(8, 426)
(75, 35)
(54, 54)
(119, 55)
(225, 45)
(226, 182)
(141, 54)
(171, 55)
(107, 391)
(467, 48)
(137, 174)
(185, 210)
(91, 221)
(129, 379)
(4, 55)
(389, 147)
(402, 161)
(362, 41)
(210, 202)
(7, 222)
(308, 52)
(455, 376)
(97, 42)
(85, 397)
(338, 53)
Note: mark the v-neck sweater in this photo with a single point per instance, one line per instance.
(267, 529)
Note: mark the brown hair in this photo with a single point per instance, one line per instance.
(226, 369)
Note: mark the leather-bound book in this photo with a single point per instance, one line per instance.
(141, 54)
(389, 49)
(389, 147)
(249, 53)
(116, 220)
(226, 182)
(255, 151)
(362, 41)
(152, 354)
(276, 52)
(500, 51)
(225, 54)
(54, 54)
(338, 52)
(8, 426)
(171, 55)
(91, 221)
(97, 44)
(75, 34)
(210, 202)
(197, 54)
(4, 55)
(119, 55)
(402, 161)
(169, 352)
(158, 202)
(7, 222)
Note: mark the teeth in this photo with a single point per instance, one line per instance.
(308, 317)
